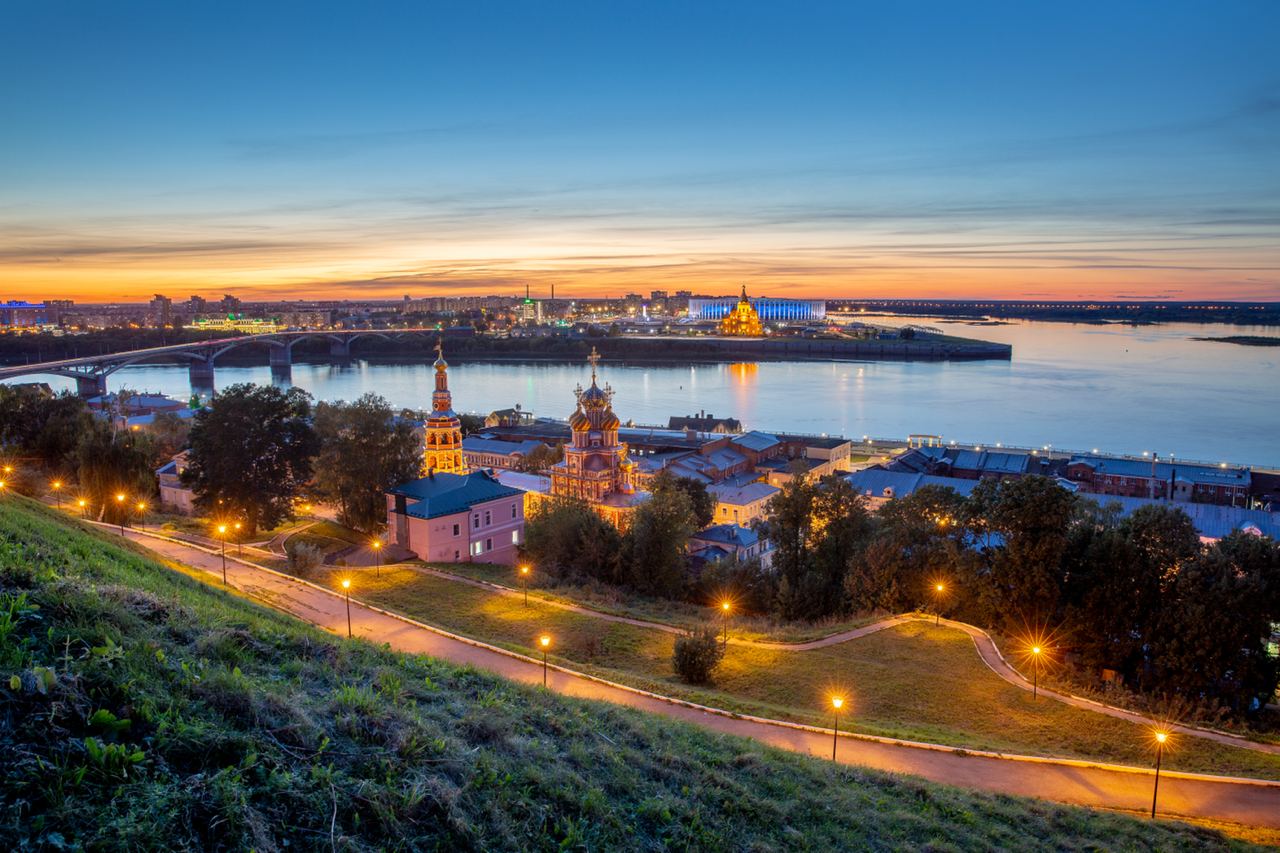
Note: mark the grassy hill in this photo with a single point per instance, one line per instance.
(140, 709)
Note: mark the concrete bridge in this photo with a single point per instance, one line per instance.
(91, 372)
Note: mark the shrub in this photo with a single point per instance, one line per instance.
(696, 655)
(304, 558)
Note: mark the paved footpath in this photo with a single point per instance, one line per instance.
(1078, 782)
(988, 652)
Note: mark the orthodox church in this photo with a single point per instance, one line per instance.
(595, 467)
(743, 321)
(444, 429)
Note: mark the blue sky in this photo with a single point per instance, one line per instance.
(922, 149)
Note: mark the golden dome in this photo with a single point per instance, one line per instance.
(579, 421)
(610, 421)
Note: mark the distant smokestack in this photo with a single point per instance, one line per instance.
(553, 291)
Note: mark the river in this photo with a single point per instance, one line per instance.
(1119, 388)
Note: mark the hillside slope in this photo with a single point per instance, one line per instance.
(140, 709)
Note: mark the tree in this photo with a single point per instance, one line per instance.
(540, 458)
(654, 547)
(1033, 516)
(840, 527)
(251, 453)
(566, 539)
(364, 451)
(169, 435)
(49, 428)
(704, 505)
(1211, 638)
(471, 424)
(788, 526)
(915, 542)
(114, 462)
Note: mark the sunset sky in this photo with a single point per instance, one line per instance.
(273, 150)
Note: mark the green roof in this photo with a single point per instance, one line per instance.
(447, 494)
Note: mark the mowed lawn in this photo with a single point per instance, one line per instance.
(913, 681)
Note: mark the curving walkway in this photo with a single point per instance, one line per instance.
(1244, 801)
(986, 647)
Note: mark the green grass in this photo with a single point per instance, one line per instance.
(914, 681)
(144, 710)
(679, 614)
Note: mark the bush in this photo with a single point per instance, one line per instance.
(305, 557)
(697, 654)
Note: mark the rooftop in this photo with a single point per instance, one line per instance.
(446, 494)
(742, 495)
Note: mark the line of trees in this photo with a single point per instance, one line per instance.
(253, 453)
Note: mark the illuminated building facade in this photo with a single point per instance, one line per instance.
(742, 321)
(444, 429)
(768, 310)
(596, 468)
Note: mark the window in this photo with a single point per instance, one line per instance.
(476, 549)
(475, 522)
(513, 510)
(455, 555)
(488, 544)
(515, 537)
(457, 530)
(488, 519)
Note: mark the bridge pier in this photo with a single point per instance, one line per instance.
(339, 348)
(91, 385)
(281, 360)
(201, 373)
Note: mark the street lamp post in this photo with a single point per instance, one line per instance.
(938, 589)
(346, 586)
(84, 508)
(837, 703)
(56, 485)
(239, 540)
(142, 512)
(1161, 737)
(544, 641)
(524, 583)
(1036, 651)
(222, 537)
(724, 611)
(377, 556)
(123, 511)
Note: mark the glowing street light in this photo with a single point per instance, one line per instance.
(84, 507)
(56, 485)
(1161, 737)
(1036, 652)
(123, 510)
(724, 611)
(142, 512)
(837, 702)
(544, 641)
(346, 586)
(377, 555)
(524, 583)
(239, 541)
(222, 535)
(938, 589)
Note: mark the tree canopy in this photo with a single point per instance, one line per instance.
(251, 454)
(364, 450)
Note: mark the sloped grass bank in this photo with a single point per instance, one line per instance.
(913, 681)
(143, 710)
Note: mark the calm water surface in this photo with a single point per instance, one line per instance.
(1118, 388)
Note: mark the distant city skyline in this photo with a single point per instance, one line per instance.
(301, 150)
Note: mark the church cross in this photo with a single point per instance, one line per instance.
(594, 358)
